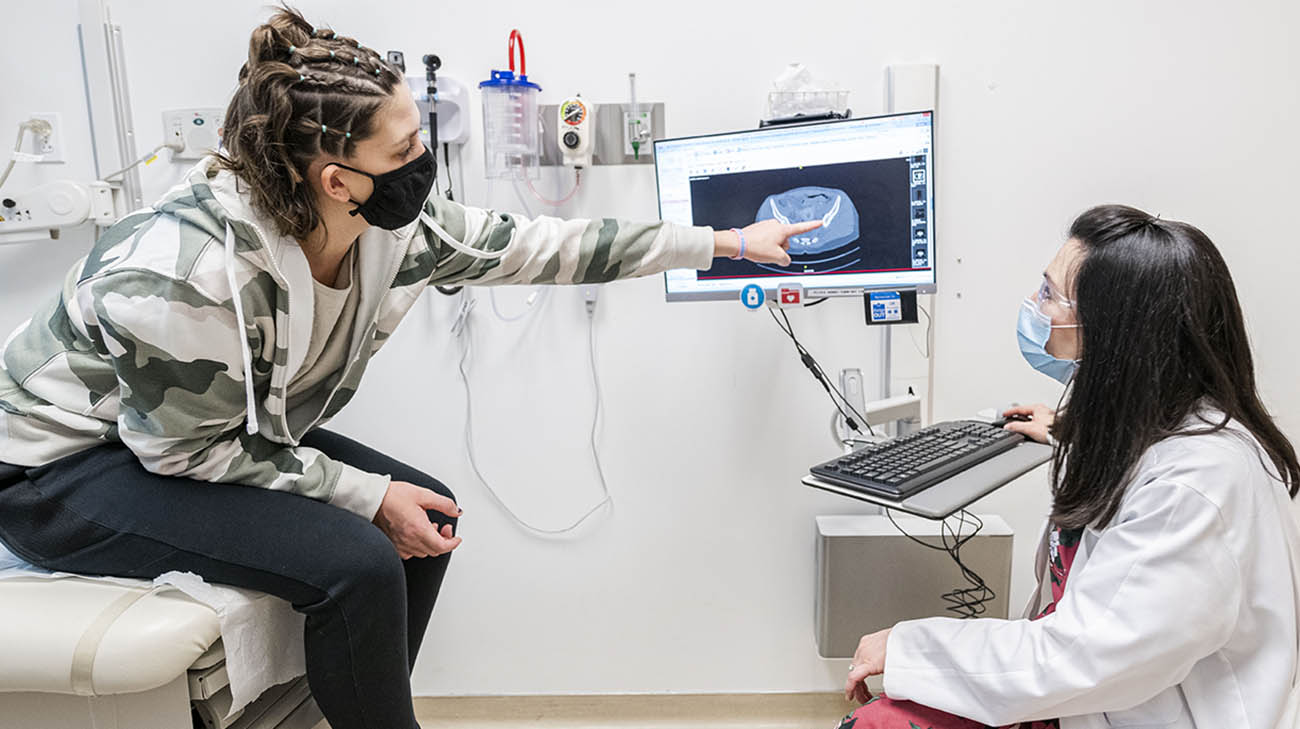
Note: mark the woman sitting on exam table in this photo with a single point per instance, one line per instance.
(1171, 559)
(203, 343)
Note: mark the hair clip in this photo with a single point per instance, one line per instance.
(331, 54)
(356, 60)
(292, 49)
(347, 135)
(324, 129)
(376, 70)
(302, 77)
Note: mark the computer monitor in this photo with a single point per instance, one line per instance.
(868, 180)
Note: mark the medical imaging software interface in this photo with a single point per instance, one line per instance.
(866, 180)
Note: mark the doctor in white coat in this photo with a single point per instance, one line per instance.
(1170, 479)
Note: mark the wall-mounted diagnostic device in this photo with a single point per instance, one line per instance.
(866, 180)
(575, 129)
(42, 212)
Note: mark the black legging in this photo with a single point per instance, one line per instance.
(100, 512)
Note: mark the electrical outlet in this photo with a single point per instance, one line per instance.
(590, 294)
(49, 146)
(196, 129)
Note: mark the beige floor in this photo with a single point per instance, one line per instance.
(675, 711)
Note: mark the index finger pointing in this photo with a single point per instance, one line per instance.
(797, 228)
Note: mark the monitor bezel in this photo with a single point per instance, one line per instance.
(814, 291)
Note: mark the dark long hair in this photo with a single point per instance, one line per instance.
(1161, 333)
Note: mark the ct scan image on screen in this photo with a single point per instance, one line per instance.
(867, 181)
(865, 209)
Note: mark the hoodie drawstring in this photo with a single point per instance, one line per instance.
(251, 422)
(459, 246)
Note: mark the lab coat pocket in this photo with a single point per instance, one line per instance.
(1164, 709)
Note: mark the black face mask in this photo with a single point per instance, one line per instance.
(399, 195)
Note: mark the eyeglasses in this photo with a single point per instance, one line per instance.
(1047, 292)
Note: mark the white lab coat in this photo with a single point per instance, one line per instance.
(1182, 613)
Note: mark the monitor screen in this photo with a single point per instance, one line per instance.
(867, 180)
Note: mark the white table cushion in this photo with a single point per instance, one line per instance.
(83, 636)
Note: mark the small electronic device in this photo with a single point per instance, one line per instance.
(1012, 418)
(867, 181)
(905, 465)
(575, 129)
(890, 307)
(40, 213)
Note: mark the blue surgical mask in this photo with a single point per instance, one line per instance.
(1033, 331)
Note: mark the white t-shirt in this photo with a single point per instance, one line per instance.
(331, 329)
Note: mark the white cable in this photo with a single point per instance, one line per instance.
(473, 460)
(598, 411)
(138, 162)
(40, 126)
(22, 130)
(929, 326)
(534, 299)
(462, 330)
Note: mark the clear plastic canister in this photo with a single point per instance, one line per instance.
(511, 146)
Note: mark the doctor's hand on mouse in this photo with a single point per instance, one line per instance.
(1032, 421)
(767, 241)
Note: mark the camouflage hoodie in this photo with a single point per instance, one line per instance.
(145, 345)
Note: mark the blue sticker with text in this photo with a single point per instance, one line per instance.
(886, 306)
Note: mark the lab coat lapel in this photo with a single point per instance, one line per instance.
(1035, 604)
(1291, 710)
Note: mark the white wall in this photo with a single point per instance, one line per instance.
(702, 578)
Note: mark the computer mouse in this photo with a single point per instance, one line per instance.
(1014, 417)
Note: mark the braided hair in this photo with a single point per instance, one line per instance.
(304, 92)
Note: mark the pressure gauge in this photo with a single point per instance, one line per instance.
(573, 112)
(575, 132)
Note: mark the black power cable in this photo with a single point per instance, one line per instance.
(446, 163)
(431, 65)
(966, 602)
(837, 398)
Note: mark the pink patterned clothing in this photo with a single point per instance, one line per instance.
(882, 712)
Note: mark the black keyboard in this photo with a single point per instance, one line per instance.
(905, 465)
